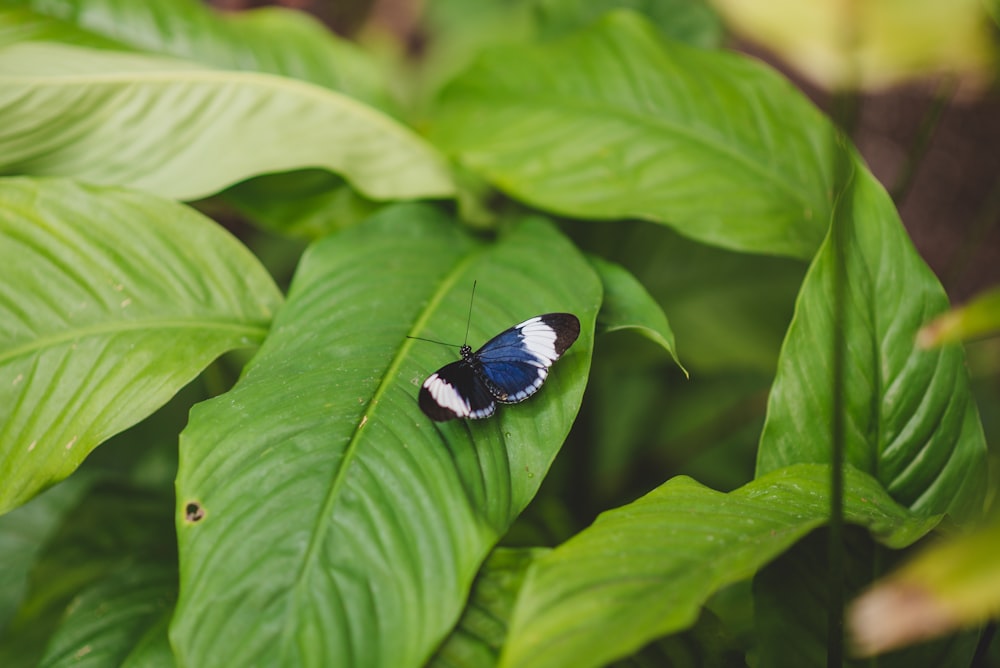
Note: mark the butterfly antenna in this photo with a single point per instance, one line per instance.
(468, 322)
(420, 338)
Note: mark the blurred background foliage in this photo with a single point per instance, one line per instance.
(931, 137)
(925, 121)
(921, 106)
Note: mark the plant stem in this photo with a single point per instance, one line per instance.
(846, 108)
(918, 148)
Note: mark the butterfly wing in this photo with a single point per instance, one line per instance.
(454, 391)
(515, 363)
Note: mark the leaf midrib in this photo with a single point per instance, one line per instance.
(322, 521)
(253, 332)
(199, 75)
(657, 126)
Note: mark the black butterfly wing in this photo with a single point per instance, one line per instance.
(455, 391)
(516, 362)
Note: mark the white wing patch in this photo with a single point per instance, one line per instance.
(539, 340)
(446, 396)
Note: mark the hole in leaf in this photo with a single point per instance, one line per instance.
(193, 512)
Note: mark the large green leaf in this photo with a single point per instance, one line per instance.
(110, 619)
(791, 605)
(152, 649)
(186, 131)
(110, 302)
(477, 638)
(950, 585)
(645, 570)
(910, 419)
(308, 203)
(323, 519)
(23, 534)
(118, 538)
(272, 39)
(616, 122)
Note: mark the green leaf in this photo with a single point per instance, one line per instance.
(480, 633)
(322, 515)
(110, 302)
(644, 570)
(272, 39)
(23, 534)
(910, 418)
(627, 305)
(308, 203)
(791, 605)
(689, 21)
(152, 649)
(22, 25)
(707, 644)
(116, 532)
(729, 310)
(186, 131)
(615, 122)
(108, 620)
(949, 586)
(459, 31)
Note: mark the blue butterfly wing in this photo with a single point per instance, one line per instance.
(455, 391)
(514, 364)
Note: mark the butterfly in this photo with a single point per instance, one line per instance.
(508, 369)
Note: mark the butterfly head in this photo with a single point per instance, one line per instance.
(466, 352)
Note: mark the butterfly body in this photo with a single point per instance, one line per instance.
(507, 369)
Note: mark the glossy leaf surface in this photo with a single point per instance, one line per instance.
(271, 39)
(110, 302)
(645, 569)
(115, 544)
(480, 633)
(110, 620)
(322, 516)
(186, 131)
(910, 419)
(616, 122)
